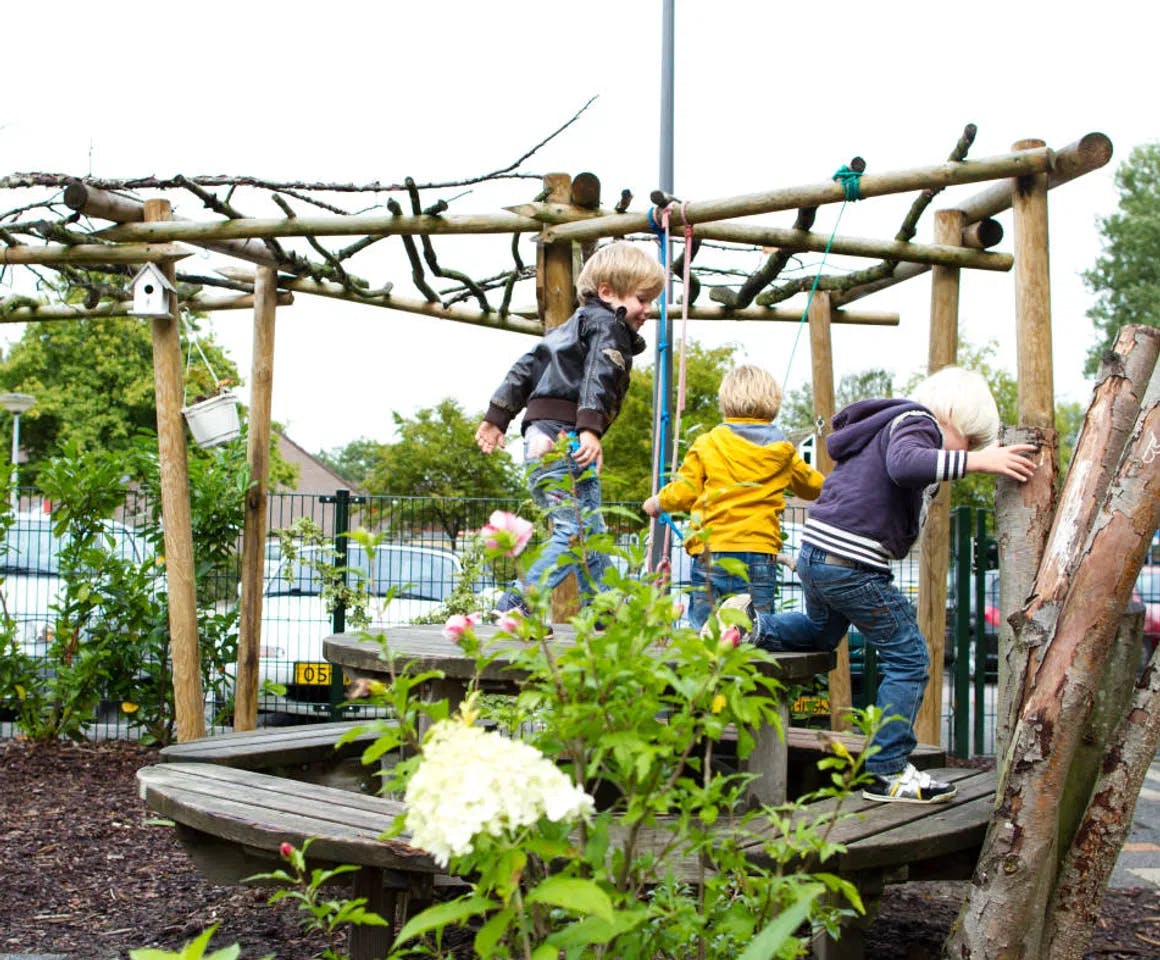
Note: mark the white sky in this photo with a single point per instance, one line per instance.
(767, 95)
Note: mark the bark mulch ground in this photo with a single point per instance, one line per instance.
(84, 874)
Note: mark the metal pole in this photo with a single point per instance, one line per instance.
(663, 367)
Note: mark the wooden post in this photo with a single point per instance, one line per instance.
(189, 704)
(254, 529)
(556, 297)
(822, 362)
(1032, 297)
(932, 580)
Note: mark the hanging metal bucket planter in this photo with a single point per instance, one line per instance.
(214, 421)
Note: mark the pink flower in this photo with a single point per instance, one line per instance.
(458, 624)
(509, 622)
(507, 533)
(730, 637)
(286, 850)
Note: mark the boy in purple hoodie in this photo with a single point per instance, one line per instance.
(889, 457)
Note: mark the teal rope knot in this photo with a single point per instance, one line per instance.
(849, 179)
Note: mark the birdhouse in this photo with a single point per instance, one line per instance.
(151, 289)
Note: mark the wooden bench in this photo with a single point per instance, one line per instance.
(233, 821)
(807, 746)
(306, 752)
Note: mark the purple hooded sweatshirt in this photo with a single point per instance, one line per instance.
(887, 453)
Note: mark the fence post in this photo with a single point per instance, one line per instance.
(962, 540)
(980, 625)
(342, 501)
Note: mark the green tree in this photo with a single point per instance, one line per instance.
(797, 406)
(1126, 277)
(628, 446)
(93, 384)
(436, 456)
(355, 461)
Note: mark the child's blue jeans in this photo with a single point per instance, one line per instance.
(707, 591)
(571, 496)
(837, 596)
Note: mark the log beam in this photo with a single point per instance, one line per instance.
(941, 253)
(92, 254)
(363, 224)
(64, 311)
(103, 205)
(946, 174)
(1086, 154)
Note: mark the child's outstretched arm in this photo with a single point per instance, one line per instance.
(488, 436)
(1012, 461)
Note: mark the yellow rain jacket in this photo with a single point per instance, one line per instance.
(732, 487)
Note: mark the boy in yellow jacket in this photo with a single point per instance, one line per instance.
(731, 484)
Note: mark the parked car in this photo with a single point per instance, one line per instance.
(991, 619)
(404, 582)
(30, 580)
(1147, 592)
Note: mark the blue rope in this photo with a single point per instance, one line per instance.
(667, 520)
(850, 180)
(664, 351)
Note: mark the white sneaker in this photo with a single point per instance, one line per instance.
(909, 786)
(744, 603)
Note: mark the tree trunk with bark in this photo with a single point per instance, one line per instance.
(1015, 877)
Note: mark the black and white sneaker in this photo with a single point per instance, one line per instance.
(908, 786)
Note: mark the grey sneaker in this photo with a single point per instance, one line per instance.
(744, 603)
(908, 786)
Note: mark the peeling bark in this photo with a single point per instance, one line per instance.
(1003, 914)
(1092, 857)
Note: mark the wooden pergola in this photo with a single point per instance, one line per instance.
(103, 225)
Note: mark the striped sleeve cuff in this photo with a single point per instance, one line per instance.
(951, 464)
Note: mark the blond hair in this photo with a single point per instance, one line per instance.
(625, 268)
(749, 391)
(962, 399)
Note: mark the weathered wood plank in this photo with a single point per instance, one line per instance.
(273, 746)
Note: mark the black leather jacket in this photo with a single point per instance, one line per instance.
(578, 373)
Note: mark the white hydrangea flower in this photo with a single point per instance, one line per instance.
(474, 781)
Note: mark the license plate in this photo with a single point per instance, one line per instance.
(811, 706)
(312, 674)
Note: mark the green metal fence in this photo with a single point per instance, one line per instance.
(415, 566)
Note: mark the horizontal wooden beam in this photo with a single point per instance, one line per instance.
(863, 318)
(790, 239)
(61, 311)
(92, 254)
(940, 175)
(1088, 153)
(103, 205)
(362, 224)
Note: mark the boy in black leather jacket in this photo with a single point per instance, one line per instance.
(573, 383)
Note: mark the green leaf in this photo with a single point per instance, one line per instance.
(492, 932)
(575, 894)
(443, 915)
(777, 934)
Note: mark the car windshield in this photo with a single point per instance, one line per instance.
(413, 573)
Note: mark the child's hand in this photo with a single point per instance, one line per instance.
(1004, 461)
(489, 436)
(652, 507)
(589, 451)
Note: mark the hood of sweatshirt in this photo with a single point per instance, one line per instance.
(858, 424)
